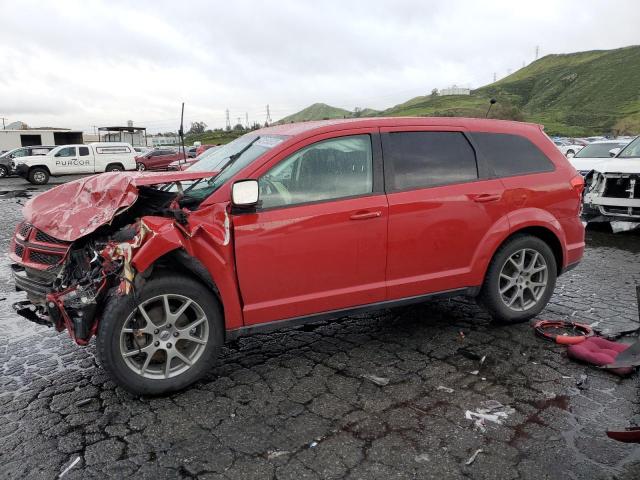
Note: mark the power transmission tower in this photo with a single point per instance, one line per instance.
(246, 119)
(3, 119)
(537, 51)
(228, 121)
(495, 77)
(238, 121)
(268, 116)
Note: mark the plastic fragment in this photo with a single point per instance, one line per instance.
(313, 444)
(422, 458)
(472, 458)
(83, 402)
(276, 454)
(444, 389)
(377, 380)
(66, 470)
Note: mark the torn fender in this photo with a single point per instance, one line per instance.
(75, 209)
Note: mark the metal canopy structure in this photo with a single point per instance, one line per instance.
(112, 133)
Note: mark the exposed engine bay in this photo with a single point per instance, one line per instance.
(67, 282)
(613, 197)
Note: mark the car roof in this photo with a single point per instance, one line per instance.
(609, 141)
(294, 129)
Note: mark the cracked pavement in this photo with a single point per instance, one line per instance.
(295, 404)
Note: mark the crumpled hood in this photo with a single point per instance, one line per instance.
(77, 208)
(620, 165)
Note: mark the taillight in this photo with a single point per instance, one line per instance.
(577, 183)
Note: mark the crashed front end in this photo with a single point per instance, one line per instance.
(613, 197)
(67, 280)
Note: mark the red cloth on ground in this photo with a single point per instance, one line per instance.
(598, 351)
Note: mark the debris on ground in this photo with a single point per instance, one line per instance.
(605, 353)
(277, 453)
(491, 411)
(475, 372)
(628, 435)
(460, 336)
(581, 383)
(472, 458)
(562, 331)
(377, 380)
(66, 470)
(444, 389)
(422, 458)
(85, 401)
(313, 444)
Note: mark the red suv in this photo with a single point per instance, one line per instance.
(293, 223)
(159, 158)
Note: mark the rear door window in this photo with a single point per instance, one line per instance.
(67, 152)
(510, 155)
(416, 160)
(84, 151)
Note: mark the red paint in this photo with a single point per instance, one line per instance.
(281, 263)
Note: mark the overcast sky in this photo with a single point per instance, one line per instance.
(78, 64)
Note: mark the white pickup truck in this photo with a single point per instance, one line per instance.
(76, 159)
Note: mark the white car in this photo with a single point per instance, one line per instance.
(568, 148)
(612, 192)
(595, 154)
(76, 159)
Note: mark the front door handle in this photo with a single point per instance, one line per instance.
(365, 215)
(485, 197)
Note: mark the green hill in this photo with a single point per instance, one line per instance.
(575, 94)
(317, 111)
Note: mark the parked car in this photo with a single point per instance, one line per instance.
(568, 149)
(203, 148)
(184, 164)
(159, 158)
(595, 154)
(76, 159)
(7, 158)
(613, 189)
(142, 150)
(293, 223)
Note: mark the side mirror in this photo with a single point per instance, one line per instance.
(244, 194)
(614, 151)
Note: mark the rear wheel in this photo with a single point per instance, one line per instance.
(141, 167)
(38, 176)
(520, 280)
(114, 167)
(166, 341)
(4, 171)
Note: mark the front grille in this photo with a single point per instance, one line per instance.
(19, 250)
(621, 211)
(44, 258)
(24, 230)
(43, 237)
(621, 187)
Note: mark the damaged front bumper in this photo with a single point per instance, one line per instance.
(613, 197)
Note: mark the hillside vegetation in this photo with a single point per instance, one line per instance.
(575, 94)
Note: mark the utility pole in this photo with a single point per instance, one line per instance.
(268, 116)
(246, 120)
(3, 119)
(228, 121)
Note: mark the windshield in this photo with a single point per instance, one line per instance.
(229, 160)
(632, 150)
(598, 150)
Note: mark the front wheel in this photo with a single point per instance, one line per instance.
(38, 176)
(141, 167)
(166, 341)
(570, 154)
(114, 168)
(520, 279)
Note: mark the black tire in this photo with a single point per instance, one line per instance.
(114, 167)
(4, 171)
(38, 176)
(491, 297)
(119, 310)
(570, 152)
(141, 167)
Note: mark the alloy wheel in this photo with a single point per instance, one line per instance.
(523, 279)
(164, 336)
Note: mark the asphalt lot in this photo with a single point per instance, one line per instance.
(301, 404)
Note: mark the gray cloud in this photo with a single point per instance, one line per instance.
(98, 62)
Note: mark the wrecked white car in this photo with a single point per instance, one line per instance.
(612, 192)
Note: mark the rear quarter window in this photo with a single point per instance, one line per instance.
(417, 160)
(113, 150)
(510, 155)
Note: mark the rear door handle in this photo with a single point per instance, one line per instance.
(485, 197)
(365, 215)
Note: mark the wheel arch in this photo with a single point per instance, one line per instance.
(44, 167)
(119, 164)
